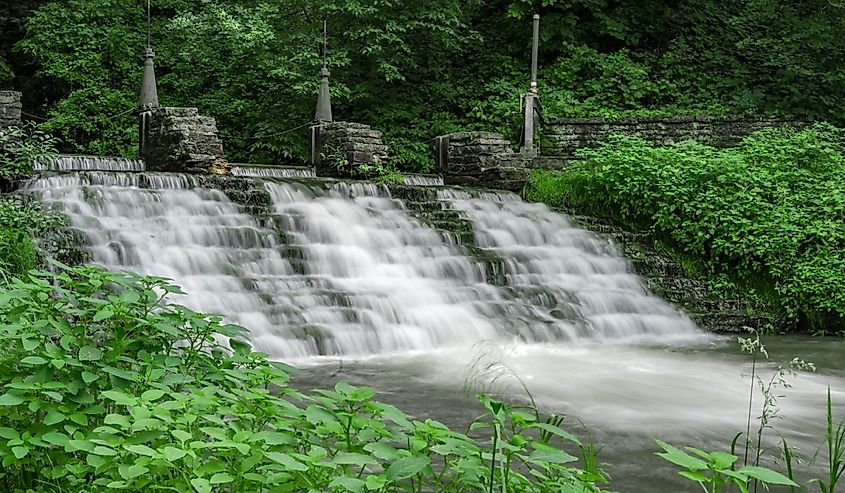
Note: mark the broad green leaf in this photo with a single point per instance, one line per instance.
(53, 417)
(694, 475)
(106, 451)
(129, 472)
(30, 344)
(90, 353)
(172, 454)
(140, 450)
(20, 452)
(88, 377)
(545, 453)
(286, 460)
(8, 433)
(152, 395)
(34, 361)
(103, 315)
(202, 485)
(382, 451)
(56, 438)
(406, 467)
(766, 475)
(349, 484)
(9, 399)
(353, 458)
(681, 458)
(221, 478)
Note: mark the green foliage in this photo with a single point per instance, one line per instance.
(20, 147)
(21, 221)
(769, 211)
(421, 69)
(106, 384)
(716, 471)
(17, 254)
(835, 441)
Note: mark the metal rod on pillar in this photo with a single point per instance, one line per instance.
(324, 101)
(534, 49)
(148, 98)
(531, 98)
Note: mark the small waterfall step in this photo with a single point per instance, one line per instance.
(272, 171)
(421, 180)
(78, 162)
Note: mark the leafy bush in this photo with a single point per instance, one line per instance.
(106, 385)
(20, 146)
(23, 219)
(769, 211)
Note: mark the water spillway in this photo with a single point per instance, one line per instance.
(347, 269)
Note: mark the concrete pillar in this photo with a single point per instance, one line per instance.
(10, 108)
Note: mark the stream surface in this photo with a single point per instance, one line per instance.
(622, 396)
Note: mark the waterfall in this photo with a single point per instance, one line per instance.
(72, 162)
(346, 269)
(257, 171)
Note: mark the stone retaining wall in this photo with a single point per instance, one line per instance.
(10, 108)
(182, 140)
(340, 148)
(563, 137)
(481, 159)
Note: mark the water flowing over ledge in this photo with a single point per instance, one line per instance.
(345, 269)
(255, 171)
(72, 162)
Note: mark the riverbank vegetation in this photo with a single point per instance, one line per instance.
(767, 215)
(107, 385)
(414, 70)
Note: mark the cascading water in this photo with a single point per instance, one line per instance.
(346, 270)
(73, 162)
(355, 273)
(255, 171)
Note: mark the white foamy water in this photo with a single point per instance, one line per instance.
(272, 171)
(353, 273)
(423, 180)
(73, 162)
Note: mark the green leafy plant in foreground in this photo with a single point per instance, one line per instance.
(716, 471)
(835, 441)
(106, 385)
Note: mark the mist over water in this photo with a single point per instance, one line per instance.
(345, 272)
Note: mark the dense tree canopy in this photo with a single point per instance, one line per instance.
(418, 69)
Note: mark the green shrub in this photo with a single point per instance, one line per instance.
(21, 220)
(22, 145)
(17, 254)
(105, 385)
(770, 211)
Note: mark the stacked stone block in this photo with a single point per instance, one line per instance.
(10, 108)
(182, 140)
(343, 147)
(481, 159)
(564, 137)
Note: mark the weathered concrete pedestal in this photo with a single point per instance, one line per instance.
(341, 149)
(10, 108)
(181, 140)
(481, 159)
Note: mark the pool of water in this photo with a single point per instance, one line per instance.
(621, 395)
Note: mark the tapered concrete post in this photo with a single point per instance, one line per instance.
(324, 101)
(147, 101)
(531, 98)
